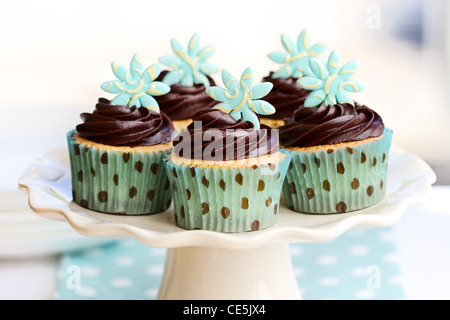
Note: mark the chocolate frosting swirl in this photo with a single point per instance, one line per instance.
(220, 137)
(182, 102)
(286, 96)
(331, 125)
(125, 126)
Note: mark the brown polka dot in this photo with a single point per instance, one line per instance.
(239, 179)
(326, 185)
(74, 194)
(133, 192)
(192, 170)
(268, 202)
(86, 149)
(279, 175)
(292, 187)
(222, 184)
(363, 157)
(167, 185)
(154, 168)
(84, 203)
(176, 218)
(205, 208)
(126, 156)
(369, 191)
(381, 184)
(225, 212)
(303, 167)
(188, 194)
(355, 184)
(349, 150)
(174, 172)
(317, 162)
(291, 165)
(205, 182)
(329, 151)
(76, 146)
(139, 166)
(169, 201)
(116, 179)
(104, 158)
(374, 162)
(151, 195)
(92, 171)
(80, 176)
(244, 203)
(275, 208)
(103, 196)
(310, 193)
(340, 168)
(182, 212)
(384, 158)
(272, 166)
(341, 207)
(261, 185)
(255, 225)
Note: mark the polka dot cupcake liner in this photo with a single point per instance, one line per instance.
(338, 180)
(118, 182)
(227, 199)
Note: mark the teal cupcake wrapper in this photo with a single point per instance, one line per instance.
(118, 182)
(339, 180)
(227, 199)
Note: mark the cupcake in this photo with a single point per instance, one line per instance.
(117, 152)
(188, 80)
(287, 96)
(339, 148)
(226, 169)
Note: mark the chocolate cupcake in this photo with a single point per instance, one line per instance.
(188, 80)
(226, 169)
(339, 148)
(116, 153)
(287, 96)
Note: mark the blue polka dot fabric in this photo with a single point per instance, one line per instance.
(359, 265)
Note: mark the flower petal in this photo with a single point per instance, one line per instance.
(348, 70)
(246, 79)
(315, 98)
(121, 72)
(261, 107)
(334, 62)
(343, 97)
(303, 41)
(149, 102)
(260, 90)
(206, 53)
(224, 107)
(136, 66)
(111, 87)
(318, 68)
(217, 93)
(173, 77)
(121, 99)
(317, 49)
(353, 86)
(279, 56)
(158, 88)
(194, 45)
(152, 72)
(248, 115)
(288, 44)
(178, 48)
(171, 61)
(208, 68)
(310, 83)
(229, 80)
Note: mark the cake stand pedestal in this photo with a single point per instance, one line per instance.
(203, 264)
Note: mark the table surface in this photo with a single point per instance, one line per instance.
(421, 237)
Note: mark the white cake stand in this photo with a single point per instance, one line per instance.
(210, 265)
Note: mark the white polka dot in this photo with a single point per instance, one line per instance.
(86, 292)
(155, 270)
(296, 251)
(329, 281)
(359, 251)
(90, 271)
(120, 283)
(326, 260)
(299, 272)
(365, 294)
(151, 293)
(125, 261)
(359, 272)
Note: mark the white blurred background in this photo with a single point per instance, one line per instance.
(55, 54)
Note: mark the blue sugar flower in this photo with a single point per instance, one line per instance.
(330, 83)
(238, 99)
(296, 58)
(136, 86)
(189, 65)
